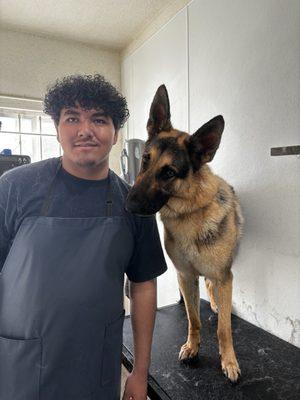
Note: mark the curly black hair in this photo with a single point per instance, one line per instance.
(89, 91)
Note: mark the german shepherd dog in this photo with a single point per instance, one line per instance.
(201, 216)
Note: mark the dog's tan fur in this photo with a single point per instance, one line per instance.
(202, 221)
(187, 220)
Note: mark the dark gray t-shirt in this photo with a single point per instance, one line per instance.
(24, 189)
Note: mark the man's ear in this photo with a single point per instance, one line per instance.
(116, 136)
(57, 135)
(203, 144)
(159, 116)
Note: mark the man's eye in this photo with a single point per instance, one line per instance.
(99, 121)
(72, 119)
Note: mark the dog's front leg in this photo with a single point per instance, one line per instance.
(189, 287)
(210, 288)
(229, 362)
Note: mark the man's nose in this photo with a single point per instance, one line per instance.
(85, 129)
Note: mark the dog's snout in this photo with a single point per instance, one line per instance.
(132, 205)
(143, 202)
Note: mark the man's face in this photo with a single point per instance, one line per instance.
(86, 137)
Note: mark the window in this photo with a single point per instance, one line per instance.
(26, 130)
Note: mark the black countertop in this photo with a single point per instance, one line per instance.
(270, 366)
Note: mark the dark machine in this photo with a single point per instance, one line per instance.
(10, 161)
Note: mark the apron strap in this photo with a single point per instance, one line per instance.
(47, 202)
(109, 202)
(48, 199)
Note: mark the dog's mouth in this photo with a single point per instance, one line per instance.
(145, 205)
(139, 209)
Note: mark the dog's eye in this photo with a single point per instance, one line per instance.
(145, 161)
(146, 157)
(168, 173)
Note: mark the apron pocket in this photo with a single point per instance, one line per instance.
(112, 352)
(20, 362)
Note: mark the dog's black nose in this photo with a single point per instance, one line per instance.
(136, 206)
(132, 206)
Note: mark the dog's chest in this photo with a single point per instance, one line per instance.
(182, 245)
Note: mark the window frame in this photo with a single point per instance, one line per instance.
(22, 107)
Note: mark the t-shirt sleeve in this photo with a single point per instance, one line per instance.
(148, 260)
(8, 213)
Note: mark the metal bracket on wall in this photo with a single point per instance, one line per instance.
(285, 151)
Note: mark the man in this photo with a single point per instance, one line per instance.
(66, 241)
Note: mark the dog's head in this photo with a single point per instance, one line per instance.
(170, 157)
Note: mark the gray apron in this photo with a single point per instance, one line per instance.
(61, 307)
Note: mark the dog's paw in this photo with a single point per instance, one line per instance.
(188, 351)
(214, 307)
(231, 370)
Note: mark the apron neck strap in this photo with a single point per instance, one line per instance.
(47, 202)
(109, 202)
(48, 198)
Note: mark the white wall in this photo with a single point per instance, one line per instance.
(152, 27)
(240, 59)
(29, 63)
(155, 63)
(245, 63)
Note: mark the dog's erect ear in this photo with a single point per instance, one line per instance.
(204, 143)
(159, 117)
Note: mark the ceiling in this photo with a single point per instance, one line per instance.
(110, 24)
